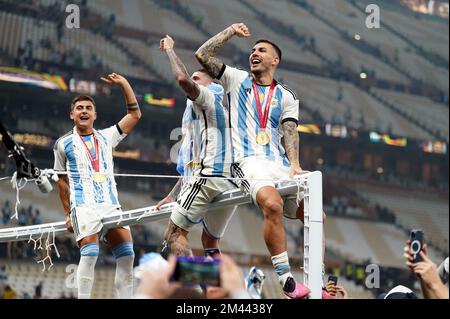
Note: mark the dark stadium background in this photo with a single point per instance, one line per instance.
(373, 118)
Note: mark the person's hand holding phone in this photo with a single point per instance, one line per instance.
(416, 243)
(212, 253)
(156, 284)
(342, 292)
(414, 247)
(231, 276)
(331, 285)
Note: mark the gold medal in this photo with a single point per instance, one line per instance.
(193, 165)
(99, 177)
(262, 138)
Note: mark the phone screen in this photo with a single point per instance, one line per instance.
(334, 279)
(416, 244)
(192, 271)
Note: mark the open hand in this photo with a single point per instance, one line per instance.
(115, 78)
(296, 170)
(166, 200)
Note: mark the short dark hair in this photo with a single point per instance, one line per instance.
(203, 70)
(81, 98)
(276, 47)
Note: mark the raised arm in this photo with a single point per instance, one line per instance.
(206, 54)
(129, 121)
(178, 69)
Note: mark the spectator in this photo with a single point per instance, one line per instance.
(37, 217)
(55, 57)
(254, 283)
(336, 291)
(349, 271)
(398, 292)
(156, 283)
(340, 93)
(38, 291)
(9, 293)
(443, 272)
(6, 211)
(428, 274)
(22, 217)
(360, 275)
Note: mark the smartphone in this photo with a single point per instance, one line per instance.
(191, 271)
(416, 244)
(212, 252)
(333, 279)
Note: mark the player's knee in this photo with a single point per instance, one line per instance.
(273, 208)
(324, 217)
(124, 249)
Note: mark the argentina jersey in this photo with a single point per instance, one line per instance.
(188, 155)
(215, 154)
(244, 119)
(71, 156)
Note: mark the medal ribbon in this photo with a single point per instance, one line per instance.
(263, 117)
(95, 161)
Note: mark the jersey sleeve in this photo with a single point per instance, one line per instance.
(206, 98)
(113, 134)
(290, 106)
(231, 77)
(60, 156)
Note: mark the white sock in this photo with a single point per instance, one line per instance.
(282, 268)
(124, 277)
(85, 276)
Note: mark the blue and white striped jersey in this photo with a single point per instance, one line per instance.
(72, 156)
(244, 119)
(212, 120)
(190, 147)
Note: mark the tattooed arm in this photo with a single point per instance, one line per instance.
(206, 54)
(291, 145)
(179, 70)
(172, 195)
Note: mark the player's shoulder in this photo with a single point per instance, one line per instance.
(235, 70)
(288, 90)
(62, 139)
(110, 129)
(215, 88)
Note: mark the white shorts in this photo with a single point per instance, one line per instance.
(254, 173)
(193, 206)
(87, 220)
